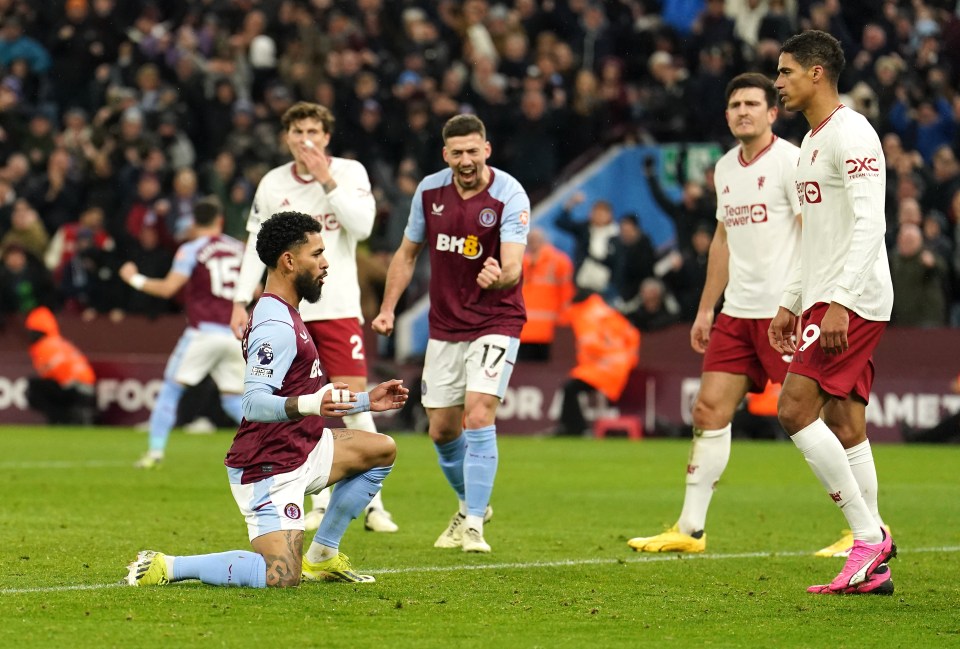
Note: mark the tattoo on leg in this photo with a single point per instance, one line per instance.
(342, 433)
(283, 567)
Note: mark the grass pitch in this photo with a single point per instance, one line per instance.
(560, 575)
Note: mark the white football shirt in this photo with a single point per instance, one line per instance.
(346, 214)
(758, 206)
(841, 181)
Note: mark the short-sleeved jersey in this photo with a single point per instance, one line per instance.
(841, 181)
(460, 235)
(211, 265)
(757, 204)
(346, 214)
(281, 355)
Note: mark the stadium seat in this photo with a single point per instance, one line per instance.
(630, 424)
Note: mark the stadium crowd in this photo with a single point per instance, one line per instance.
(116, 117)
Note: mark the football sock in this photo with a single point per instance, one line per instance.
(233, 568)
(479, 468)
(349, 499)
(232, 404)
(828, 460)
(364, 421)
(451, 456)
(709, 453)
(164, 414)
(860, 458)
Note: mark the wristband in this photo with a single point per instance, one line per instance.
(362, 404)
(138, 281)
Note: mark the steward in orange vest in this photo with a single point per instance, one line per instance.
(547, 292)
(64, 390)
(608, 348)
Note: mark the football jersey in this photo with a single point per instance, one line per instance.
(281, 355)
(841, 180)
(346, 214)
(757, 204)
(461, 234)
(212, 265)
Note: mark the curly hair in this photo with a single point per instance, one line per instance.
(282, 232)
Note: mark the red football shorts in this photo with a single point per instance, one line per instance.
(340, 345)
(839, 374)
(741, 346)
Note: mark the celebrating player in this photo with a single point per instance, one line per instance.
(474, 220)
(756, 243)
(282, 451)
(336, 192)
(842, 293)
(207, 266)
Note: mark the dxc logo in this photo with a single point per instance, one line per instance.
(857, 165)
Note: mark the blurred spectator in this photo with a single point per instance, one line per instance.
(946, 430)
(547, 293)
(26, 230)
(532, 153)
(24, 282)
(637, 258)
(918, 281)
(64, 389)
(946, 177)
(182, 201)
(175, 143)
(57, 197)
(686, 272)
(597, 244)
(89, 228)
(692, 212)
(608, 348)
(236, 208)
(38, 141)
(15, 45)
(87, 280)
(924, 122)
(658, 309)
(663, 102)
(149, 209)
(153, 260)
(76, 49)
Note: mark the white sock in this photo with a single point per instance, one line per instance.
(860, 458)
(322, 499)
(317, 552)
(828, 460)
(376, 503)
(463, 507)
(474, 522)
(709, 453)
(169, 561)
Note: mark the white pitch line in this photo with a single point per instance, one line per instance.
(566, 563)
(64, 464)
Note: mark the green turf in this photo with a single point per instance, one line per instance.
(75, 512)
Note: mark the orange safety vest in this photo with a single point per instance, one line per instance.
(55, 357)
(764, 404)
(608, 346)
(547, 292)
